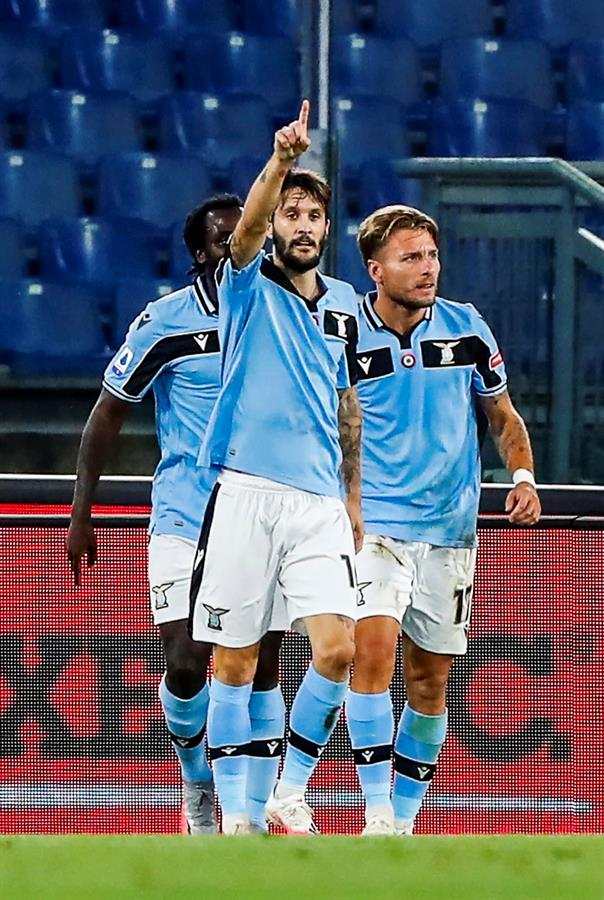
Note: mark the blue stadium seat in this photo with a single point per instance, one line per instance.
(97, 250)
(488, 68)
(243, 172)
(220, 128)
(585, 71)
(345, 16)
(117, 61)
(271, 17)
(131, 297)
(585, 130)
(557, 22)
(481, 128)
(34, 186)
(24, 63)
(157, 189)
(177, 15)
(379, 185)
(350, 266)
(368, 128)
(12, 249)
(382, 68)
(56, 15)
(52, 329)
(235, 62)
(84, 126)
(429, 22)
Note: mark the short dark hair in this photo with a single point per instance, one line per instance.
(311, 183)
(196, 222)
(375, 230)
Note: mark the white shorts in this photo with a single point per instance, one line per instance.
(258, 536)
(427, 589)
(170, 567)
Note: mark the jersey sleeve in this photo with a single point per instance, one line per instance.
(489, 376)
(132, 370)
(347, 370)
(235, 281)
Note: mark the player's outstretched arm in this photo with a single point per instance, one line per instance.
(98, 439)
(250, 234)
(514, 446)
(350, 422)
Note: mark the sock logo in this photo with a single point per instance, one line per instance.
(367, 754)
(214, 614)
(423, 771)
(228, 750)
(160, 601)
(272, 746)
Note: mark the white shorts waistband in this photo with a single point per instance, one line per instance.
(257, 483)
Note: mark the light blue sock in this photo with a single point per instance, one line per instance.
(371, 726)
(418, 742)
(186, 723)
(228, 737)
(314, 714)
(267, 716)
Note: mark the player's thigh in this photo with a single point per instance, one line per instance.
(235, 570)
(317, 573)
(438, 618)
(385, 571)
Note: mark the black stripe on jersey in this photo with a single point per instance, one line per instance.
(202, 293)
(167, 350)
(266, 749)
(274, 273)
(470, 350)
(200, 554)
(374, 364)
(366, 756)
(304, 745)
(412, 768)
(227, 751)
(187, 743)
(344, 325)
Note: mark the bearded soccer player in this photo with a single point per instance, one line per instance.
(424, 365)
(173, 349)
(285, 427)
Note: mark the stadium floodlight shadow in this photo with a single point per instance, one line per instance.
(364, 64)
(156, 188)
(178, 16)
(235, 62)
(83, 126)
(585, 71)
(142, 65)
(97, 251)
(220, 128)
(25, 178)
(493, 68)
(487, 128)
(585, 130)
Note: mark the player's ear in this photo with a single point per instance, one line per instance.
(327, 226)
(269, 232)
(374, 268)
(200, 256)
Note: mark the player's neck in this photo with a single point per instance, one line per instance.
(304, 282)
(395, 316)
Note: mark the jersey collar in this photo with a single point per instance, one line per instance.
(374, 321)
(274, 273)
(209, 307)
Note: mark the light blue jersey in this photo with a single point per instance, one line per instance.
(421, 453)
(173, 347)
(283, 359)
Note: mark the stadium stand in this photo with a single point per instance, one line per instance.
(349, 259)
(270, 17)
(429, 22)
(242, 173)
(379, 185)
(25, 63)
(178, 16)
(585, 130)
(34, 186)
(585, 71)
(557, 22)
(156, 188)
(83, 126)
(487, 128)
(180, 260)
(56, 15)
(368, 128)
(141, 65)
(12, 249)
(363, 64)
(131, 296)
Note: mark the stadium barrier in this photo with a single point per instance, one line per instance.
(82, 743)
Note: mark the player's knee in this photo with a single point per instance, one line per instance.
(373, 664)
(235, 666)
(333, 658)
(267, 669)
(186, 675)
(426, 691)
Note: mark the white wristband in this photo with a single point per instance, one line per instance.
(525, 475)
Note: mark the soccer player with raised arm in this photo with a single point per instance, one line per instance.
(285, 428)
(172, 348)
(424, 364)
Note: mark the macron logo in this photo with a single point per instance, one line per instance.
(228, 750)
(201, 340)
(423, 771)
(272, 746)
(365, 364)
(367, 754)
(199, 558)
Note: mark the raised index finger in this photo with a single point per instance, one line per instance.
(304, 111)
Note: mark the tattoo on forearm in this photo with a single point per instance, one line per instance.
(350, 420)
(514, 446)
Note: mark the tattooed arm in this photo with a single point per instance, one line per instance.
(514, 446)
(250, 234)
(350, 422)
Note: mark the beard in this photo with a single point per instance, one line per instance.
(411, 304)
(286, 253)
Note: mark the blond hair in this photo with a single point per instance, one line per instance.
(376, 229)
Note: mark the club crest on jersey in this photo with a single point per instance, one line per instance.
(408, 360)
(214, 617)
(122, 361)
(446, 348)
(160, 600)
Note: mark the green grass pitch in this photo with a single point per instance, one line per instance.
(245, 868)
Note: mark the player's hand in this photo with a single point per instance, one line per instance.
(81, 541)
(522, 505)
(356, 520)
(292, 140)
